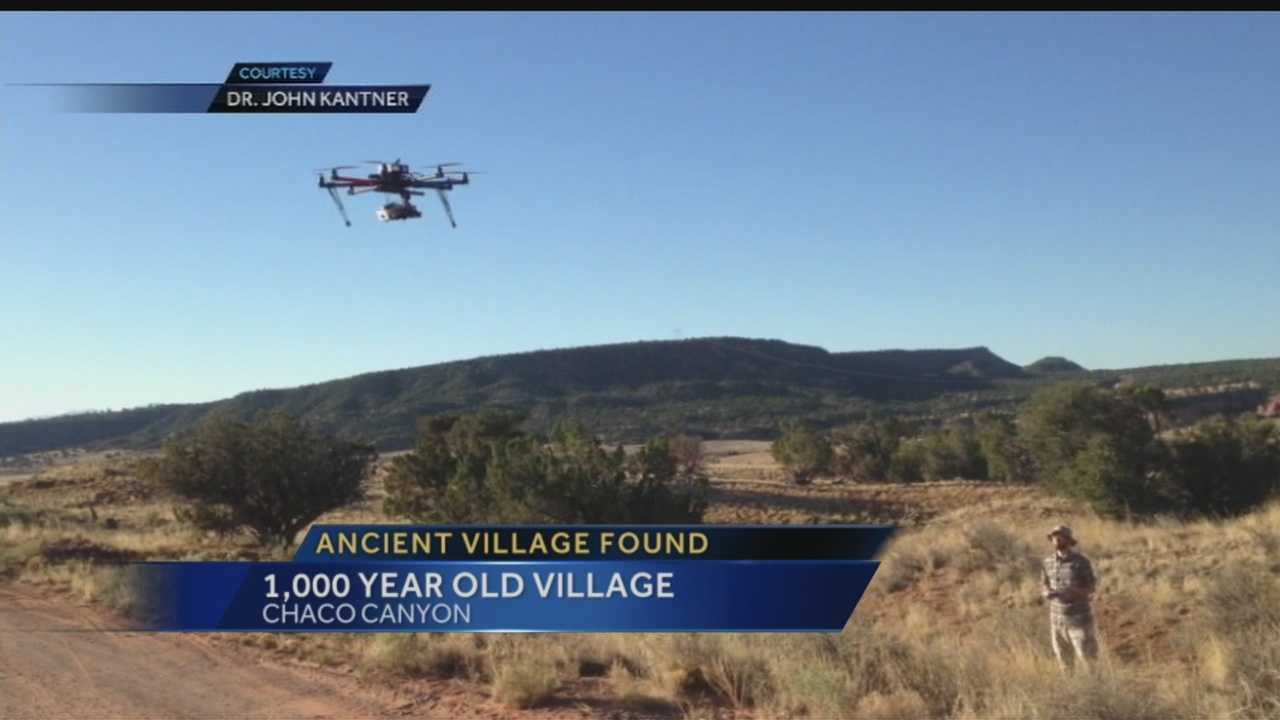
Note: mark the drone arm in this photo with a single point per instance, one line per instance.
(444, 200)
(333, 193)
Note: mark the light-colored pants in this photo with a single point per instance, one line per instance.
(1072, 639)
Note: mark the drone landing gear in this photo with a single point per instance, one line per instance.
(448, 209)
(338, 201)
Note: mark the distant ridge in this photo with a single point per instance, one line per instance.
(1054, 364)
(717, 387)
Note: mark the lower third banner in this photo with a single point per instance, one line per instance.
(494, 596)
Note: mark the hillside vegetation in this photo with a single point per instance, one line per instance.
(713, 387)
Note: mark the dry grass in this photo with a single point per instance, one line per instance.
(423, 655)
(524, 684)
(111, 586)
(952, 626)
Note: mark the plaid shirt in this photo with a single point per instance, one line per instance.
(1072, 570)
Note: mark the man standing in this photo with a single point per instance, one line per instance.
(1068, 581)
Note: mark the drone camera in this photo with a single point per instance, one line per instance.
(397, 211)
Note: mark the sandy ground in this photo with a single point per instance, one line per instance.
(60, 660)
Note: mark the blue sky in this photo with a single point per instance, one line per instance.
(1105, 187)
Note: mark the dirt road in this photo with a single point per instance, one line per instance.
(50, 667)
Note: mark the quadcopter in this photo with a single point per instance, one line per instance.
(395, 178)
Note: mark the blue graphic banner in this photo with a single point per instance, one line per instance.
(529, 596)
(592, 542)
(250, 87)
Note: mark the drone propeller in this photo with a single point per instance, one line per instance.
(450, 174)
(440, 168)
(336, 167)
(447, 175)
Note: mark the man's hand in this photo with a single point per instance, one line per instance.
(1071, 595)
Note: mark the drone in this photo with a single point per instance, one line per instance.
(395, 178)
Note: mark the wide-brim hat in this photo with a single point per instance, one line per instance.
(1064, 531)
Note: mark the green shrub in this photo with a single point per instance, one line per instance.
(272, 476)
(1100, 446)
(908, 463)
(1224, 466)
(1107, 475)
(1152, 401)
(483, 468)
(1095, 445)
(802, 452)
(864, 451)
(444, 478)
(663, 488)
(879, 450)
(954, 452)
(1006, 459)
(1059, 421)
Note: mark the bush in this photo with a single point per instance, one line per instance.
(1225, 467)
(990, 547)
(687, 451)
(864, 451)
(417, 655)
(879, 450)
(444, 478)
(954, 452)
(901, 570)
(1095, 445)
(483, 468)
(272, 476)
(1005, 458)
(908, 463)
(1152, 401)
(1100, 446)
(661, 488)
(729, 669)
(1107, 476)
(523, 685)
(802, 452)
(1060, 421)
